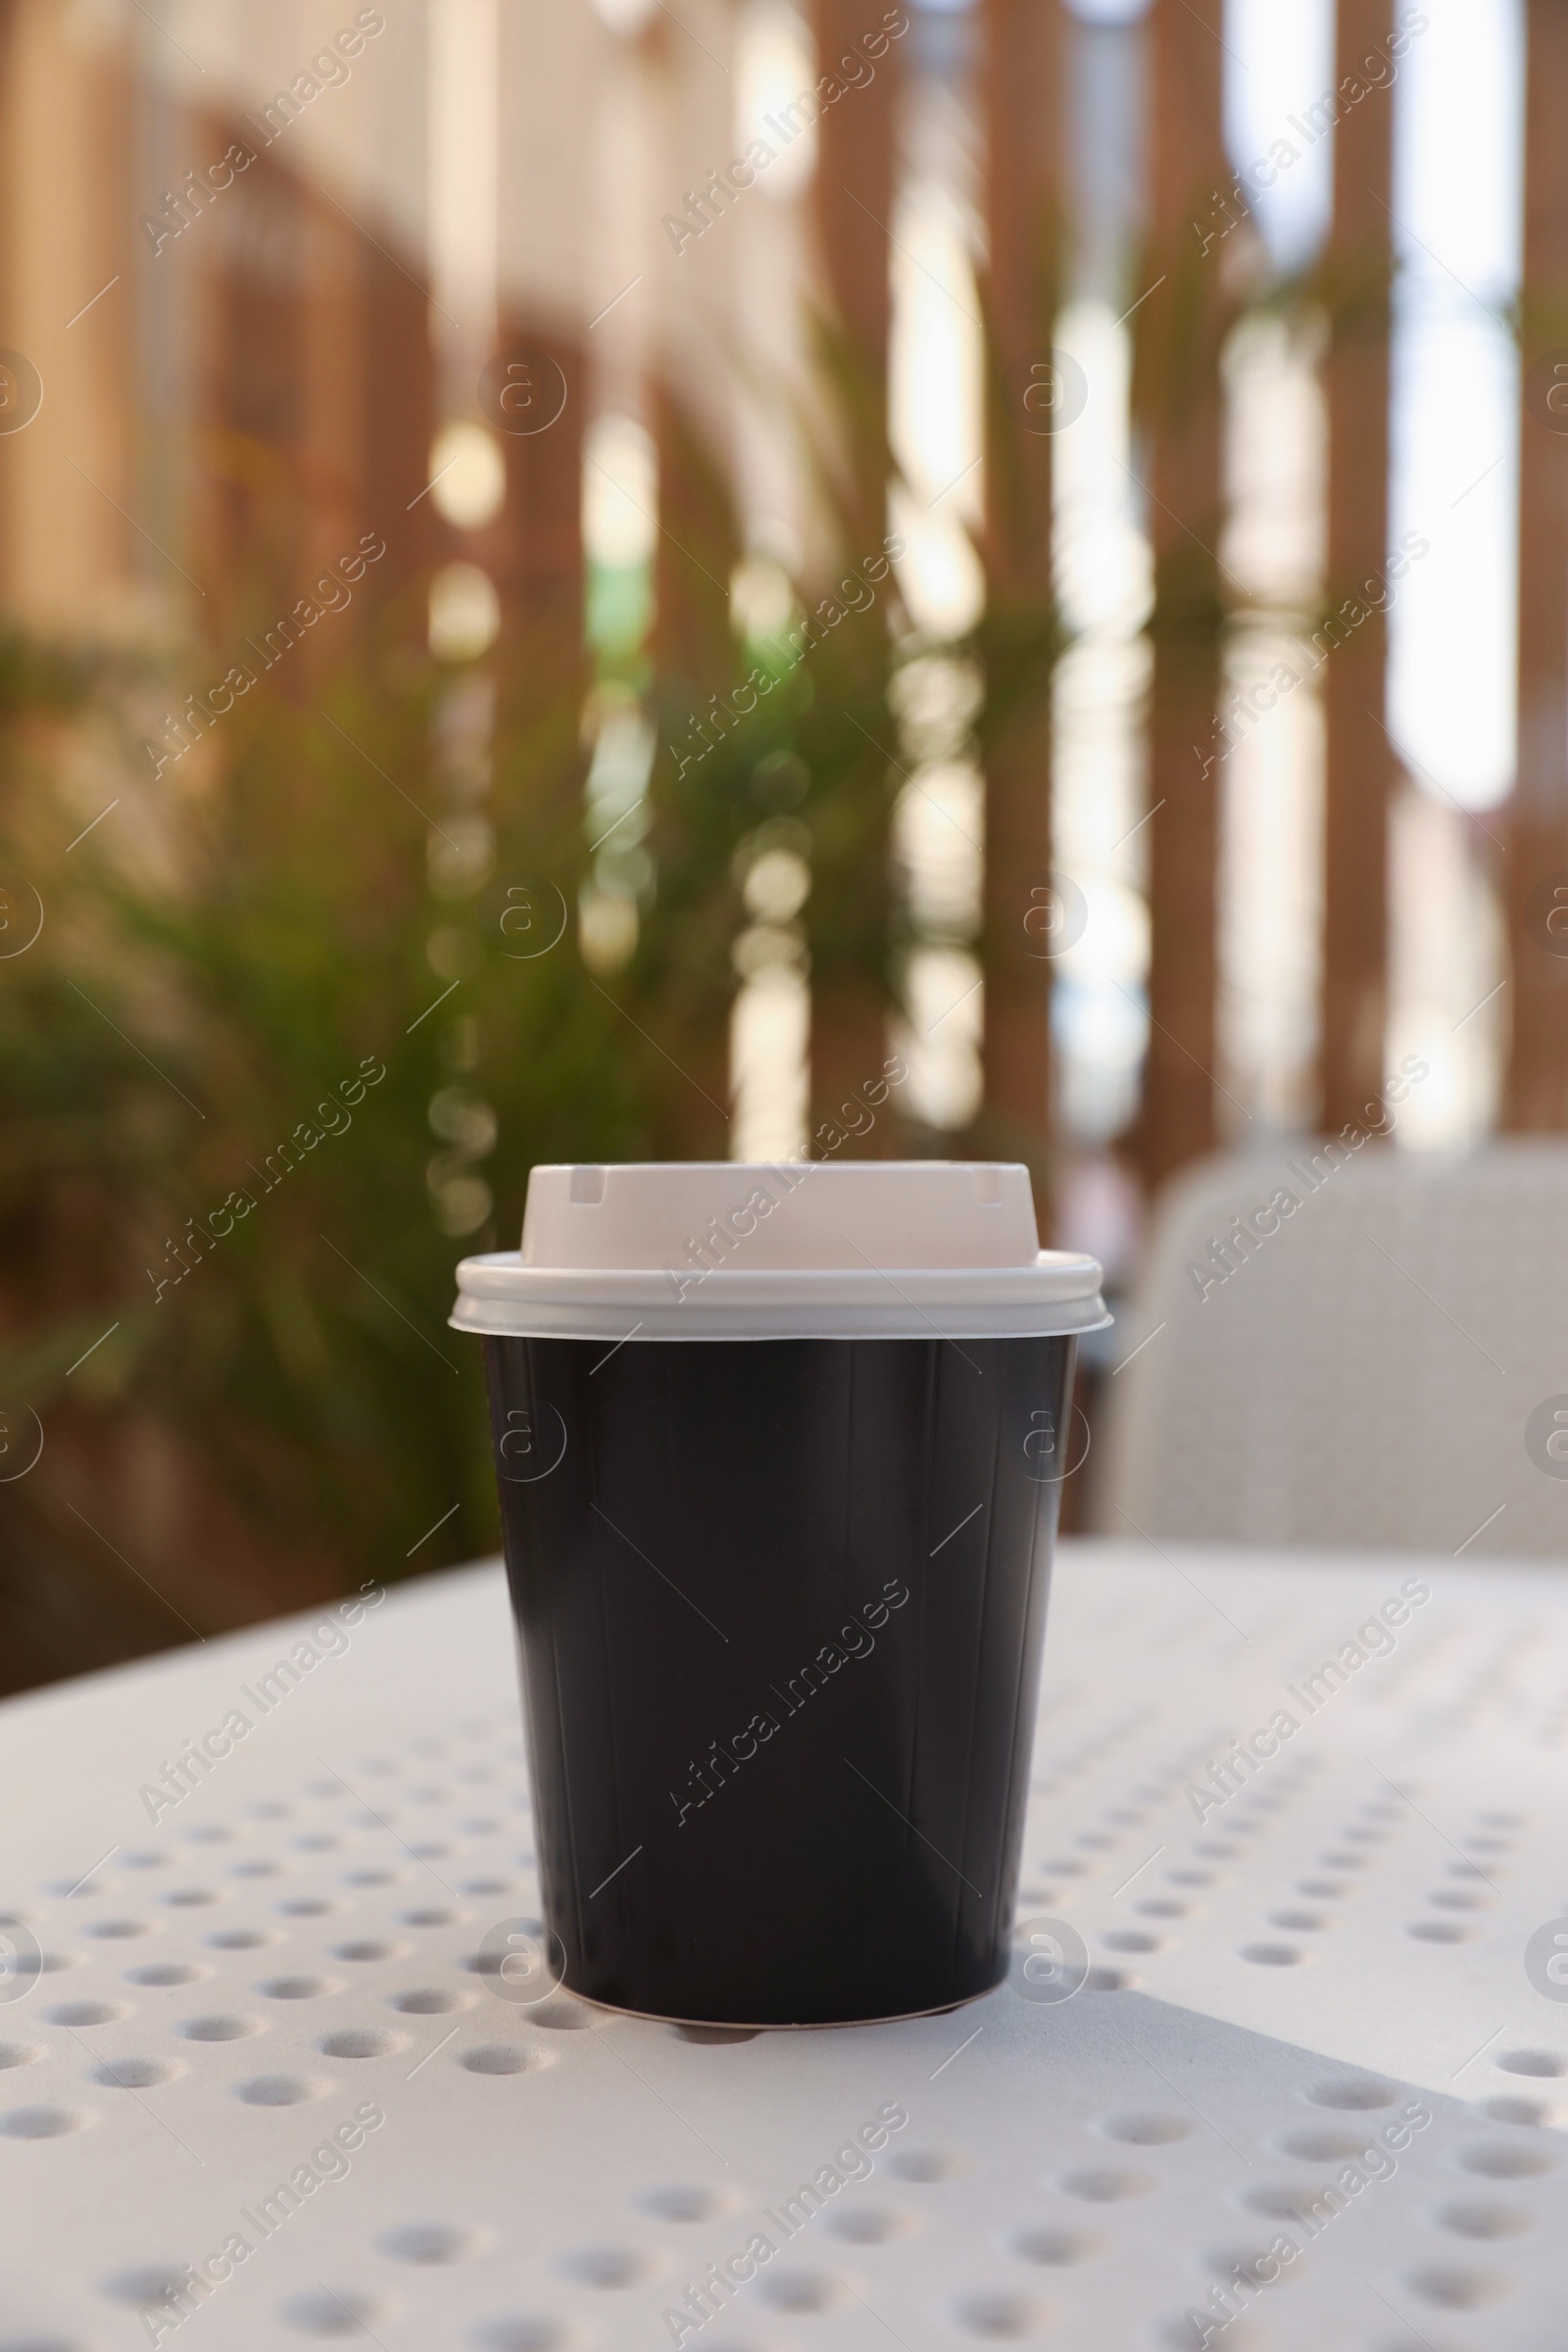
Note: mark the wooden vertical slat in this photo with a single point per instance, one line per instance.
(536, 546)
(336, 487)
(251, 402)
(852, 195)
(1536, 1093)
(698, 546)
(694, 656)
(1360, 757)
(853, 199)
(397, 411)
(563, 78)
(1024, 209)
(698, 541)
(1177, 393)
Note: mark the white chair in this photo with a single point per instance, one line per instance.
(1384, 1363)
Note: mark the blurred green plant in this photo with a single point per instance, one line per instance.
(233, 1055)
(223, 1060)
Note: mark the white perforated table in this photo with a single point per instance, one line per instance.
(1322, 1981)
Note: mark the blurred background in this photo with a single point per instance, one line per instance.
(575, 578)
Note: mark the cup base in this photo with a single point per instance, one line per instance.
(726, 2029)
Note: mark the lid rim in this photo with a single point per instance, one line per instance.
(1055, 1277)
(1016, 1323)
(499, 1298)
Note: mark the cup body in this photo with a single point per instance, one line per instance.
(780, 1607)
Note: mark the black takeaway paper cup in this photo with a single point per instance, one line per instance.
(779, 1453)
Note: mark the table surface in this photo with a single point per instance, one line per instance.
(1322, 1981)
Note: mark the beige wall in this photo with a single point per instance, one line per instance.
(104, 499)
(68, 560)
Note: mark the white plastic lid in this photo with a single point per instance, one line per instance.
(720, 1249)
